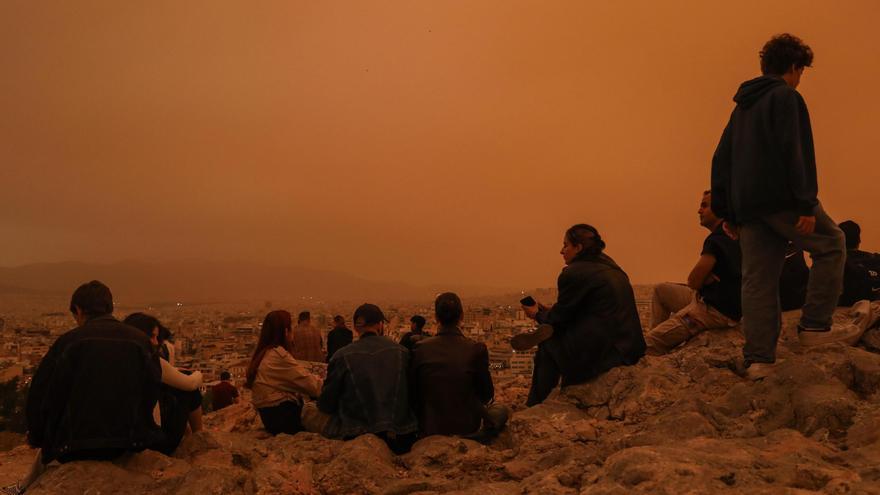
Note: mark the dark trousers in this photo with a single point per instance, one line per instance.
(549, 364)
(763, 243)
(283, 418)
(175, 407)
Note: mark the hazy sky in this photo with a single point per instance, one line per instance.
(403, 140)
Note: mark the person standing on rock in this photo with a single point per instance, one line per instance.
(450, 383)
(711, 298)
(366, 389)
(278, 381)
(307, 343)
(594, 325)
(339, 337)
(417, 325)
(93, 394)
(764, 185)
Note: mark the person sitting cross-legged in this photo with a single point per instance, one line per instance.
(366, 388)
(450, 381)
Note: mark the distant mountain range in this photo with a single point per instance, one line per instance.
(201, 281)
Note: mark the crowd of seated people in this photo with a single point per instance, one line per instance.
(109, 387)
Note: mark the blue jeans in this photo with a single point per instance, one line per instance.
(763, 244)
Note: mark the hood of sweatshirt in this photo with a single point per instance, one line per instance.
(752, 90)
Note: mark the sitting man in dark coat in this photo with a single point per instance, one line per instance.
(594, 325)
(449, 377)
(93, 394)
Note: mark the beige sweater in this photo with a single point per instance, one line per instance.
(282, 378)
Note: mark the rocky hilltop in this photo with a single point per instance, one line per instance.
(681, 423)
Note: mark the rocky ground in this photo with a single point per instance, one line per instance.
(681, 423)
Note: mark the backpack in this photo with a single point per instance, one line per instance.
(861, 278)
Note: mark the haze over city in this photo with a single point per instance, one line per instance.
(421, 142)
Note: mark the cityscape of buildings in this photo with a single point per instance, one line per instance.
(213, 338)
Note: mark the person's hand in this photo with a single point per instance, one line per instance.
(805, 225)
(731, 230)
(532, 311)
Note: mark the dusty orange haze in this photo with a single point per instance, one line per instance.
(415, 141)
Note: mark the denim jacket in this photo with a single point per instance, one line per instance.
(366, 389)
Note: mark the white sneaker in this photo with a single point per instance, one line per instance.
(848, 333)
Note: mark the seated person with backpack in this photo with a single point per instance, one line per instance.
(861, 272)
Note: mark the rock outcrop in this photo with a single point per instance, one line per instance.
(680, 423)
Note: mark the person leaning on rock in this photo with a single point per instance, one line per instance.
(594, 325)
(366, 389)
(764, 185)
(711, 298)
(450, 383)
(861, 273)
(277, 380)
(93, 394)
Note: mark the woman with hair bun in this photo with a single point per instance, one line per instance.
(594, 325)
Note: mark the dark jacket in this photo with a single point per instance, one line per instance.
(409, 339)
(595, 321)
(338, 338)
(450, 383)
(765, 161)
(366, 389)
(95, 390)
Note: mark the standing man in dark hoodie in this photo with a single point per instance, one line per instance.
(764, 185)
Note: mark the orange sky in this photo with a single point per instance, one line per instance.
(413, 141)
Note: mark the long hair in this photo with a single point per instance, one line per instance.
(272, 335)
(143, 322)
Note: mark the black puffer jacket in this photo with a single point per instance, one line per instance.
(765, 161)
(594, 317)
(95, 390)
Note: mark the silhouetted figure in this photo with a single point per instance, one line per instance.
(594, 325)
(764, 182)
(93, 394)
(339, 337)
(450, 381)
(278, 382)
(417, 325)
(180, 402)
(861, 274)
(224, 394)
(711, 298)
(307, 344)
(366, 389)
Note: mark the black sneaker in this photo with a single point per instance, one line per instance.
(802, 328)
(526, 341)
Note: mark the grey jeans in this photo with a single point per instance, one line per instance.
(763, 243)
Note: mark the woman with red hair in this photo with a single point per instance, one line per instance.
(277, 380)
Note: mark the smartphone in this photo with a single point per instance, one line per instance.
(528, 301)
